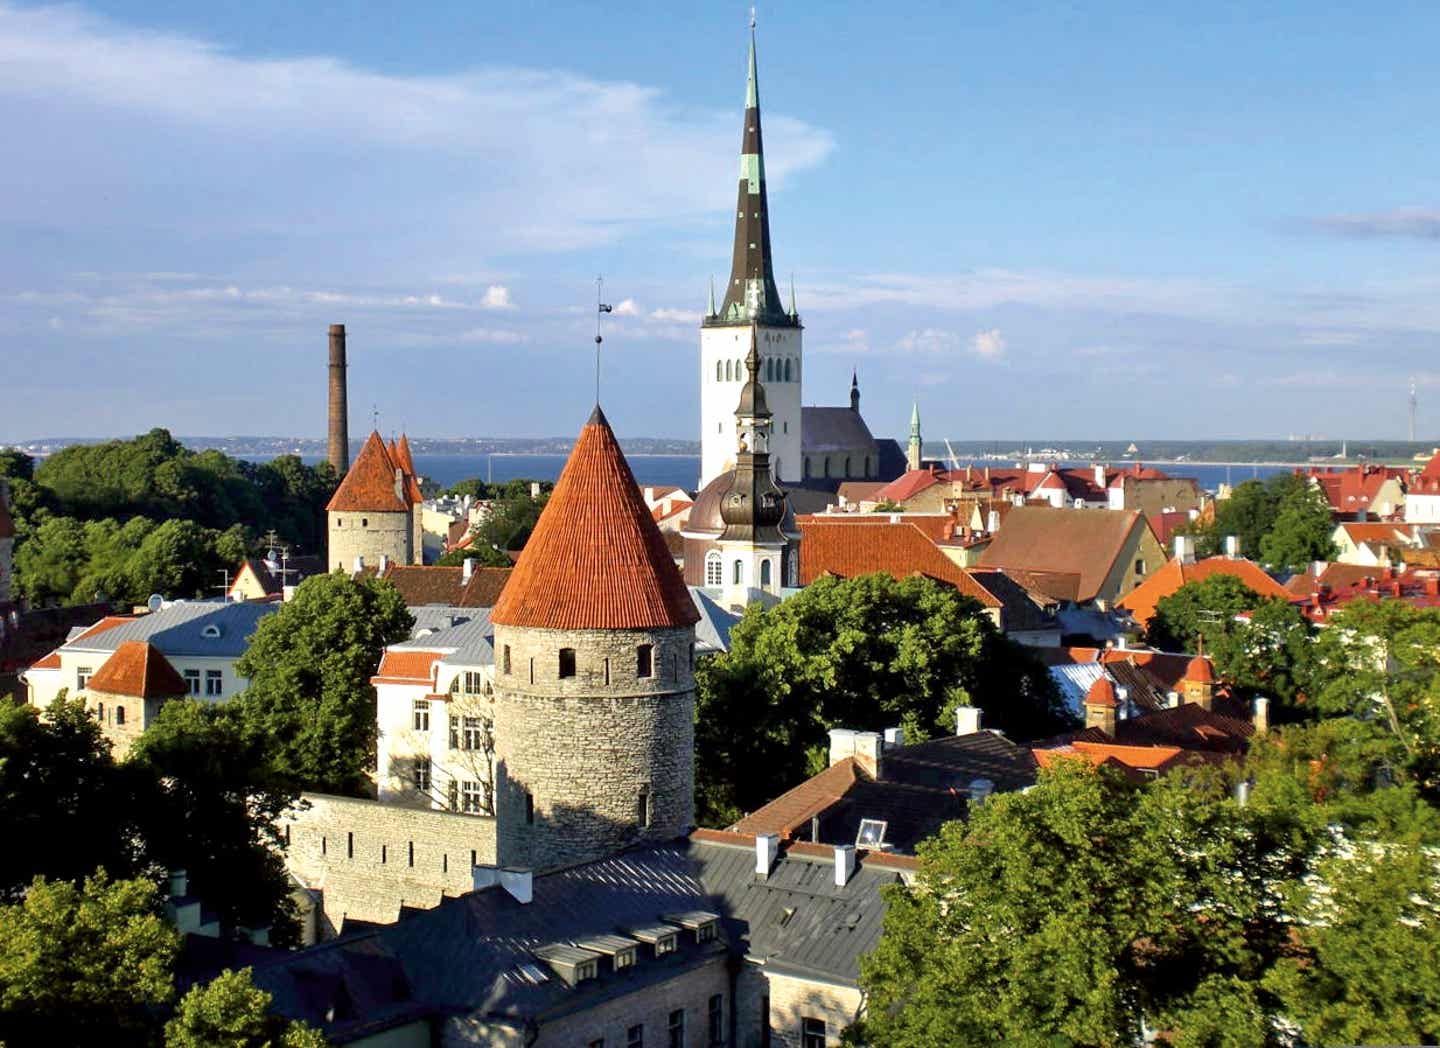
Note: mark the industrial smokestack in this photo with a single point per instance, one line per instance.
(339, 410)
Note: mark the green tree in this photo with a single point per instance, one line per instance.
(1202, 610)
(49, 563)
(61, 792)
(1077, 913)
(230, 1012)
(83, 964)
(309, 667)
(507, 526)
(869, 652)
(1301, 532)
(213, 814)
(1381, 664)
(1249, 514)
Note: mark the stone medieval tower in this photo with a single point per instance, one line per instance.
(594, 673)
(751, 297)
(375, 512)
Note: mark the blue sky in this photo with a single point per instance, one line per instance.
(1138, 221)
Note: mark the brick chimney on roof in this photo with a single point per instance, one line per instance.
(339, 444)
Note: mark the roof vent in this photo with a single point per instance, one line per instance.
(210, 631)
(844, 864)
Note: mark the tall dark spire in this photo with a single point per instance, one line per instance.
(753, 507)
(751, 293)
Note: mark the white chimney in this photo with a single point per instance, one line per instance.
(1099, 475)
(844, 864)
(649, 496)
(992, 521)
(359, 564)
(1232, 547)
(384, 563)
(894, 518)
(894, 737)
(842, 744)
(534, 489)
(484, 877)
(1260, 716)
(1122, 701)
(287, 593)
(1185, 549)
(467, 569)
(967, 720)
(767, 847)
(1172, 699)
(519, 883)
(980, 789)
(868, 748)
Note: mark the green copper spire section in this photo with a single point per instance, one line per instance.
(915, 421)
(752, 89)
(711, 311)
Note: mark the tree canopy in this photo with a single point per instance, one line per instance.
(84, 963)
(230, 1012)
(870, 652)
(1282, 520)
(507, 525)
(1091, 909)
(130, 517)
(309, 704)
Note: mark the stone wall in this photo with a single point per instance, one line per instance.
(370, 535)
(650, 1007)
(368, 859)
(575, 754)
(792, 1000)
(121, 729)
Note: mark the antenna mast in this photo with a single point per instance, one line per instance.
(601, 308)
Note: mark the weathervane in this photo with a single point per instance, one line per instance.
(601, 307)
(752, 17)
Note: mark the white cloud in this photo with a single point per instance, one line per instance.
(491, 336)
(112, 113)
(690, 316)
(926, 340)
(626, 307)
(496, 296)
(988, 344)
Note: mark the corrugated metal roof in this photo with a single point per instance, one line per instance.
(181, 629)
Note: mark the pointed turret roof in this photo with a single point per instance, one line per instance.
(138, 670)
(404, 460)
(595, 560)
(751, 292)
(370, 482)
(915, 420)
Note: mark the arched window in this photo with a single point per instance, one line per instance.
(867, 467)
(739, 574)
(765, 574)
(769, 369)
(787, 369)
(727, 371)
(739, 371)
(567, 662)
(714, 569)
(719, 371)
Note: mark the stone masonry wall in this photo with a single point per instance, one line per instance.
(368, 535)
(585, 747)
(792, 1000)
(368, 859)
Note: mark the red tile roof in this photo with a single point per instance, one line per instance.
(1102, 693)
(1141, 601)
(795, 808)
(1355, 488)
(370, 483)
(596, 560)
(137, 669)
(49, 662)
(441, 584)
(1199, 671)
(1086, 542)
(407, 667)
(1419, 589)
(851, 547)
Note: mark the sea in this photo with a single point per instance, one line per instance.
(683, 471)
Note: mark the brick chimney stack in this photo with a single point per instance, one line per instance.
(339, 451)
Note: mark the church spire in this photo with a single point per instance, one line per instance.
(913, 451)
(751, 293)
(854, 390)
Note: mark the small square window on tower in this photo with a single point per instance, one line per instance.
(567, 662)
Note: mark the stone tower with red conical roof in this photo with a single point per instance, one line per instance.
(375, 512)
(594, 673)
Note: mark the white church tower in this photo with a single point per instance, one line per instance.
(751, 297)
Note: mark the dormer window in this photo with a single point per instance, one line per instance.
(666, 944)
(210, 632)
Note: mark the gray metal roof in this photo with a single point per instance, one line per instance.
(835, 429)
(180, 629)
(712, 632)
(470, 642)
(458, 957)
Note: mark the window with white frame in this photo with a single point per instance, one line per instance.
(714, 569)
(473, 682)
(471, 798)
(422, 774)
(420, 718)
(192, 681)
(82, 677)
(474, 736)
(214, 682)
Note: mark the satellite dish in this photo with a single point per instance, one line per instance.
(155, 602)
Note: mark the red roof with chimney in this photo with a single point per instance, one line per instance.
(138, 670)
(596, 560)
(370, 483)
(1354, 489)
(407, 667)
(849, 548)
(1143, 599)
(1102, 693)
(1419, 589)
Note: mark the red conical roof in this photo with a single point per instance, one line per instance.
(1198, 671)
(1101, 693)
(596, 560)
(401, 456)
(370, 483)
(138, 670)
